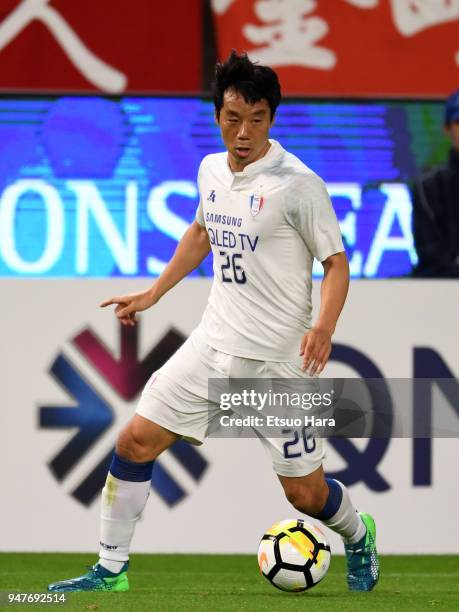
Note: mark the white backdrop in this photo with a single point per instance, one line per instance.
(238, 496)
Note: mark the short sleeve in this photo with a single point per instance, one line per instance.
(199, 216)
(309, 210)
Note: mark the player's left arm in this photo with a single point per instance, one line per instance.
(316, 343)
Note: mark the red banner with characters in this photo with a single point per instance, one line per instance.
(347, 47)
(112, 46)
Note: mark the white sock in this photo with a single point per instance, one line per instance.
(122, 504)
(346, 521)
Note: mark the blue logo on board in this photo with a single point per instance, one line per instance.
(91, 414)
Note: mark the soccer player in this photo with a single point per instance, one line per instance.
(265, 215)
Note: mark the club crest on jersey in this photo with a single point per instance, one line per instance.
(256, 204)
(211, 197)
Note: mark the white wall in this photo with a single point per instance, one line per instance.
(238, 497)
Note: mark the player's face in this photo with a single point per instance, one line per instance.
(245, 129)
(452, 130)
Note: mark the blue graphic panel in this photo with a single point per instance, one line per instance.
(91, 187)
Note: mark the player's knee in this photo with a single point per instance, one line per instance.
(309, 500)
(132, 447)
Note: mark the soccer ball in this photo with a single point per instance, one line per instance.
(294, 555)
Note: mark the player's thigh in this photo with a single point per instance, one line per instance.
(176, 396)
(143, 440)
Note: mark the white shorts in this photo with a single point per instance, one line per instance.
(176, 397)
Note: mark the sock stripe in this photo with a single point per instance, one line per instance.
(335, 497)
(123, 469)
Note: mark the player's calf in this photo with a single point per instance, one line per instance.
(309, 499)
(124, 496)
(128, 486)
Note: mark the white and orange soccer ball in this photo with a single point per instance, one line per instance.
(294, 555)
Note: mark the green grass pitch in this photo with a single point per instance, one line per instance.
(220, 583)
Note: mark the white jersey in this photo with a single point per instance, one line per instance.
(265, 225)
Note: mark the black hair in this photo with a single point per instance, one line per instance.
(252, 81)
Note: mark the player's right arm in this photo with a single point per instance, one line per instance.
(192, 249)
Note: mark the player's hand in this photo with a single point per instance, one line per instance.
(315, 349)
(129, 305)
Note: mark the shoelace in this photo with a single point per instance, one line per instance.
(95, 570)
